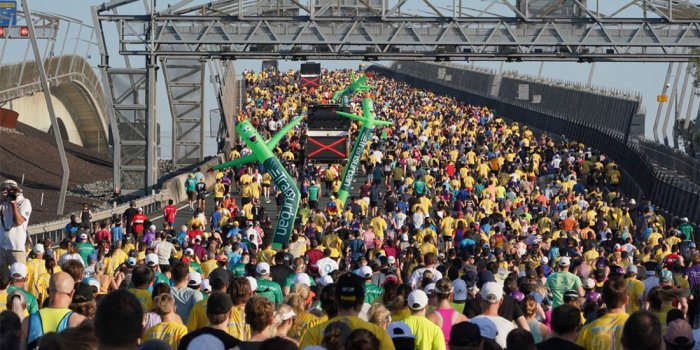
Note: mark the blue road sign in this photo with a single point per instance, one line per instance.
(8, 13)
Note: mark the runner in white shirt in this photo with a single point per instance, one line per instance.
(326, 265)
(417, 275)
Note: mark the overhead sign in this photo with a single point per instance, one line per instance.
(661, 98)
(327, 146)
(310, 81)
(8, 13)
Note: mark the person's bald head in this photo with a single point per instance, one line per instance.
(61, 282)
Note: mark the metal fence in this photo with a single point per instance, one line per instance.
(642, 179)
(467, 78)
(607, 112)
(54, 229)
(671, 159)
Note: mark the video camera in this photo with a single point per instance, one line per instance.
(12, 194)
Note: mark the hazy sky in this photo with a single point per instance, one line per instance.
(646, 78)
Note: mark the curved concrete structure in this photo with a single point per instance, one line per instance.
(74, 84)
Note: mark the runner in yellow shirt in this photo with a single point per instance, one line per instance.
(170, 329)
(605, 333)
(350, 295)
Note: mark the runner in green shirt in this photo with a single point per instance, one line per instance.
(84, 248)
(372, 291)
(18, 273)
(267, 288)
(239, 269)
(314, 193)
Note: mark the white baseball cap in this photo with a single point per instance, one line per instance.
(38, 248)
(487, 328)
(391, 260)
(262, 268)
(491, 292)
(83, 235)
(564, 261)
(544, 260)
(325, 280)
(460, 289)
(151, 259)
(93, 282)
(189, 251)
(253, 283)
(206, 286)
(429, 289)
(364, 272)
(18, 270)
(152, 227)
(417, 300)
(194, 279)
(302, 278)
(400, 330)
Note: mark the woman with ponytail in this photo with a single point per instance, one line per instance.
(17, 303)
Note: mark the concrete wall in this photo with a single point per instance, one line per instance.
(33, 112)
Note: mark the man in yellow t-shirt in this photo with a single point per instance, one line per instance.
(141, 278)
(217, 317)
(635, 288)
(428, 335)
(606, 332)
(198, 316)
(350, 295)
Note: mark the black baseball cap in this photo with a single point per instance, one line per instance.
(219, 303)
(465, 334)
(350, 288)
(83, 293)
(483, 277)
(219, 276)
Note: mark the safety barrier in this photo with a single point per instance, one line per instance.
(54, 229)
(643, 179)
(671, 159)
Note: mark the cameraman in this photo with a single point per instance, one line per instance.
(14, 217)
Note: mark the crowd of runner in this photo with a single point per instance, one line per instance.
(469, 232)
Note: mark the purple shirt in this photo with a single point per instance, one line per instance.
(149, 237)
(694, 276)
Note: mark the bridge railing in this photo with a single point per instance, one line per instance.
(54, 229)
(671, 159)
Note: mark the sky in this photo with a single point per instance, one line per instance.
(646, 78)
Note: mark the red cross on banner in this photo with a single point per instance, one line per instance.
(329, 147)
(311, 81)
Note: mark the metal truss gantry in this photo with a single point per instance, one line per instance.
(506, 30)
(184, 80)
(383, 31)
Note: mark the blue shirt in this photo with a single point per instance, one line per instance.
(181, 236)
(117, 234)
(215, 220)
(70, 228)
(466, 242)
(234, 231)
(233, 260)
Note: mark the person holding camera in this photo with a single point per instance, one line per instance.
(14, 217)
